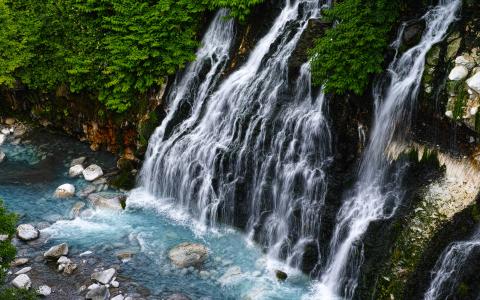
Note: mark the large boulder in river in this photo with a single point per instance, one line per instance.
(56, 251)
(22, 281)
(187, 255)
(26, 232)
(103, 277)
(65, 191)
(114, 201)
(75, 171)
(92, 172)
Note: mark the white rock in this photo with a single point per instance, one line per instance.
(86, 253)
(66, 190)
(63, 260)
(5, 131)
(2, 156)
(118, 297)
(92, 172)
(107, 200)
(78, 161)
(44, 290)
(115, 284)
(458, 73)
(57, 251)
(449, 114)
(2, 138)
(473, 111)
(18, 262)
(27, 232)
(99, 293)
(23, 270)
(93, 286)
(103, 277)
(466, 61)
(3, 237)
(474, 83)
(22, 281)
(75, 171)
(69, 268)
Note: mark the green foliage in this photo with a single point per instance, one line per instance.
(352, 50)
(7, 250)
(116, 49)
(17, 294)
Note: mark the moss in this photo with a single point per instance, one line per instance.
(147, 127)
(124, 180)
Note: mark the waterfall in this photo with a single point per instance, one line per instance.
(448, 267)
(372, 199)
(253, 150)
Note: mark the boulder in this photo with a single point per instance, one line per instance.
(56, 251)
(19, 130)
(22, 281)
(78, 161)
(10, 121)
(75, 171)
(2, 156)
(44, 290)
(125, 256)
(18, 262)
(187, 255)
(87, 191)
(449, 114)
(458, 73)
(26, 232)
(114, 201)
(474, 83)
(5, 131)
(77, 207)
(465, 60)
(98, 293)
(63, 260)
(65, 191)
(2, 138)
(92, 173)
(23, 270)
(69, 268)
(103, 277)
(118, 297)
(282, 276)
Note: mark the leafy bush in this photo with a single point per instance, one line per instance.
(116, 49)
(353, 49)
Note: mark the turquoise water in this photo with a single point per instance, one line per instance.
(149, 228)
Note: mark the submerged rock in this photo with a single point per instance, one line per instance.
(92, 173)
(22, 281)
(125, 256)
(56, 251)
(26, 232)
(115, 201)
(98, 293)
(231, 275)
(282, 276)
(186, 255)
(75, 171)
(77, 207)
(104, 277)
(44, 290)
(65, 191)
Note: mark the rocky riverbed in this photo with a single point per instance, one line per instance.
(79, 237)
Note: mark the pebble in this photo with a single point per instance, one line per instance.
(23, 270)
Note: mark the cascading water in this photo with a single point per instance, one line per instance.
(253, 152)
(371, 201)
(448, 268)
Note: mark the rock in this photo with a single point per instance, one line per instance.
(5, 131)
(78, 161)
(449, 114)
(22, 281)
(3, 237)
(87, 191)
(65, 191)
(474, 83)
(473, 111)
(103, 277)
(93, 286)
(125, 256)
(185, 255)
(69, 268)
(75, 171)
(92, 172)
(44, 290)
(26, 232)
(2, 138)
(458, 73)
(19, 262)
(113, 201)
(63, 260)
(2, 156)
(118, 297)
(77, 207)
(86, 253)
(177, 297)
(23, 270)
(465, 60)
(16, 142)
(115, 284)
(10, 121)
(19, 130)
(282, 276)
(100, 181)
(56, 251)
(99, 293)
(232, 274)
